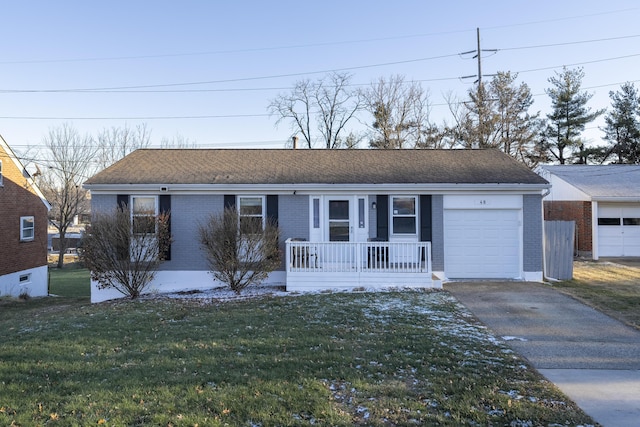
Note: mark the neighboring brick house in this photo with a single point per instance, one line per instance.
(348, 218)
(23, 229)
(604, 202)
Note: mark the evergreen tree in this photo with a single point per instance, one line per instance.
(562, 135)
(622, 129)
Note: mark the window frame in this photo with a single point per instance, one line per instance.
(631, 221)
(263, 209)
(32, 219)
(133, 215)
(393, 215)
(609, 222)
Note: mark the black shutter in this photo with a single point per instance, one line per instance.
(272, 209)
(122, 201)
(165, 208)
(122, 204)
(229, 201)
(425, 218)
(382, 213)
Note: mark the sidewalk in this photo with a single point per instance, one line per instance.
(592, 358)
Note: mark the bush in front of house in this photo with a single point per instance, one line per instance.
(124, 255)
(240, 250)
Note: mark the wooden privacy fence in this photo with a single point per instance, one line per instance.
(558, 249)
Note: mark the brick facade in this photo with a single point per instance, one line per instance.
(17, 199)
(578, 211)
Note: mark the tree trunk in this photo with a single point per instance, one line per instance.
(62, 247)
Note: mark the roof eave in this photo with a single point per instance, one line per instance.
(372, 188)
(626, 199)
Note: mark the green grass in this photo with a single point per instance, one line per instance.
(70, 281)
(611, 288)
(398, 358)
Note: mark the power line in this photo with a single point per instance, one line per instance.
(570, 43)
(244, 79)
(149, 88)
(301, 46)
(230, 116)
(566, 18)
(229, 51)
(224, 116)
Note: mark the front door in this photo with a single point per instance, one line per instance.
(339, 220)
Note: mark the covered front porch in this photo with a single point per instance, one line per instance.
(327, 265)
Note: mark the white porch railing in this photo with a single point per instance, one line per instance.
(358, 257)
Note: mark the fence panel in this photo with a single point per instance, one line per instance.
(558, 249)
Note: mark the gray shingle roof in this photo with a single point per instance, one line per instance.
(601, 180)
(246, 166)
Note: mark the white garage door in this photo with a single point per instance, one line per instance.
(481, 244)
(618, 230)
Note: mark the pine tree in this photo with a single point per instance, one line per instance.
(622, 129)
(562, 135)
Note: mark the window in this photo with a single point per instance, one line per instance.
(25, 278)
(630, 221)
(361, 205)
(27, 228)
(251, 213)
(143, 215)
(316, 213)
(608, 221)
(403, 215)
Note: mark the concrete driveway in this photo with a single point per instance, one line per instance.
(591, 357)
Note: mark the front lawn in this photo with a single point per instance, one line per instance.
(331, 359)
(71, 281)
(612, 288)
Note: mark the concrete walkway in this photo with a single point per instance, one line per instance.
(592, 358)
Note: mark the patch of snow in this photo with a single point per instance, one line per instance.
(510, 338)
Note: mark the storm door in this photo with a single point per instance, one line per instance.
(339, 220)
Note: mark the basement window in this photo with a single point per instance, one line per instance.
(25, 278)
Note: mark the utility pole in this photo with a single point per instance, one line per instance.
(481, 102)
(478, 55)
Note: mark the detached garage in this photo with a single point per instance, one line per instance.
(603, 200)
(618, 229)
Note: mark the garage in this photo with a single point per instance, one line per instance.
(482, 243)
(618, 229)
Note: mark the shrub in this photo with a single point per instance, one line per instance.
(239, 255)
(120, 259)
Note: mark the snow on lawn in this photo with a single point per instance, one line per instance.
(429, 309)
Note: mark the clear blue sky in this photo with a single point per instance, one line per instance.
(249, 51)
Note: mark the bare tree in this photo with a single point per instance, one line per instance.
(240, 253)
(71, 159)
(400, 113)
(116, 142)
(177, 141)
(122, 255)
(325, 105)
(496, 115)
